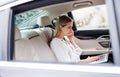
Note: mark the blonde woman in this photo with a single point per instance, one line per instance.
(63, 45)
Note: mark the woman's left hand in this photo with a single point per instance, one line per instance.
(92, 59)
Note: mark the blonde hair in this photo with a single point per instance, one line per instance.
(62, 21)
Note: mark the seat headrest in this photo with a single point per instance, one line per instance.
(45, 20)
(17, 34)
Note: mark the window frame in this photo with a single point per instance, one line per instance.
(13, 69)
(17, 9)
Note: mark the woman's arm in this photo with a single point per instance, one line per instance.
(90, 59)
(70, 37)
(60, 50)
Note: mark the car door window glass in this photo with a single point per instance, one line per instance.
(94, 17)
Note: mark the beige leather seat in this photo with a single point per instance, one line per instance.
(35, 48)
(41, 48)
(23, 48)
(46, 29)
(45, 20)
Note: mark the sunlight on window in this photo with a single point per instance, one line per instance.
(94, 17)
(28, 19)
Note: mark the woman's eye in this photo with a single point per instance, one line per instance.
(69, 27)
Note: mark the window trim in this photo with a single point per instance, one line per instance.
(46, 69)
(10, 45)
(114, 29)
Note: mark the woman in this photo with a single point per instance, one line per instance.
(63, 45)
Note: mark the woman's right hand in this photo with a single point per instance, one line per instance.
(70, 36)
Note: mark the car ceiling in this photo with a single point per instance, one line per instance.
(57, 9)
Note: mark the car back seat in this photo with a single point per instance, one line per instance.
(23, 48)
(36, 47)
(41, 47)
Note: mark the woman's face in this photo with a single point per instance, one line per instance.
(67, 30)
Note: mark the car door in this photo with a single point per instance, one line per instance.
(11, 68)
(92, 28)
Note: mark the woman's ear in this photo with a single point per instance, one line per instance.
(60, 28)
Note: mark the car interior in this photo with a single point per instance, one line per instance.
(35, 28)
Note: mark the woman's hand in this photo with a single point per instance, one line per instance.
(92, 59)
(70, 36)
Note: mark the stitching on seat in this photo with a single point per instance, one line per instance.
(33, 36)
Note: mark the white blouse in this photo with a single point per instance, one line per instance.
(65, 51)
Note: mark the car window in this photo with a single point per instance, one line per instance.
(94, 17)
(34, 38)
(29, 49)
(28, 19)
